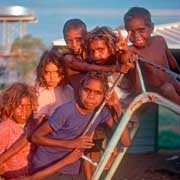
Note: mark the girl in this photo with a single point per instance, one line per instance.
(63, 130)
(17, 104)
(51, 83)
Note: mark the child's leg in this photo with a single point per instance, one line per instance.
(176, 85)
(95, 152)
(88, 168)
(168, 90)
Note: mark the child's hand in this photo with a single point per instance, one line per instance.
(74, 156)
(112, 99)
(111, 159)
(83, 142)
(129, 64)
(122, 45)
(124, 68)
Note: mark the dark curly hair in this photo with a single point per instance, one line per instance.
(103, 33)
(74, 24)
(137, 12)
(102, 77)
(11, 98)
(55, 58)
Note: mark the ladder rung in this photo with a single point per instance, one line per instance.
(89, 160)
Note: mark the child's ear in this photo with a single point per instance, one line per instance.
(152, 27)
(79, 92)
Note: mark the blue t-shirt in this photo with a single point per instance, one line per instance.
(67, 123)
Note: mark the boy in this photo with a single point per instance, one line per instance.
(63, 131)
(74, 32)
(153, 48)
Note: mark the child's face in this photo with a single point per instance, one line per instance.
(75, 39)
(23, 111)
(99, 51)
(52, 75)
(140, 32)
(92, 94)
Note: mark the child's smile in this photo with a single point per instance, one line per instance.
(140, 32)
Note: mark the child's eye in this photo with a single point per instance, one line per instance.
(79, 39)
(100, 49)
(68, 41)
(142, 30)
(86, 90)
(98, 93)
(54, 73)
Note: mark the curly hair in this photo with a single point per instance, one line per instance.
(137, 12)
(11, 98)
(74, 24)
(102, 77)
(103, 33)
(55, 58)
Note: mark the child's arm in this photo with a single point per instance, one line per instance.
(172, 61)
(114, 102)
(15, 148)
(40, 136)
(126, 57)
(69, 159)
(76, 64)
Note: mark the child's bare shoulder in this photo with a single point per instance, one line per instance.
(158, 39)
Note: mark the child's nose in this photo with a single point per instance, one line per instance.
(52, 75)
(75, 44)
(136, 34)
(91, 94)
(96, 55)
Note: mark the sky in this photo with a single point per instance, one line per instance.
(52, 14)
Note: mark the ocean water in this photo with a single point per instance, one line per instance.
(52, 14)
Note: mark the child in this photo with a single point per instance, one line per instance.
(74, 32)
(17, 104)
(63, 130)
(51, 83)
(154, 49)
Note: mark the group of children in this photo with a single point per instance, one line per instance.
(42, 128)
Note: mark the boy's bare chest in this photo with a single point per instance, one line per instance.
(154, 54)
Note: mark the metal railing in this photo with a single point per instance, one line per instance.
(141, 99)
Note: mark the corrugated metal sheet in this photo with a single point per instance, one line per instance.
(171, 32)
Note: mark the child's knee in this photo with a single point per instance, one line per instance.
(167, 89)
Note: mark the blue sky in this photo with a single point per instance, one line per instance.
(52, 14)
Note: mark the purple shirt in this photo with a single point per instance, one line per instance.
(67, 123)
